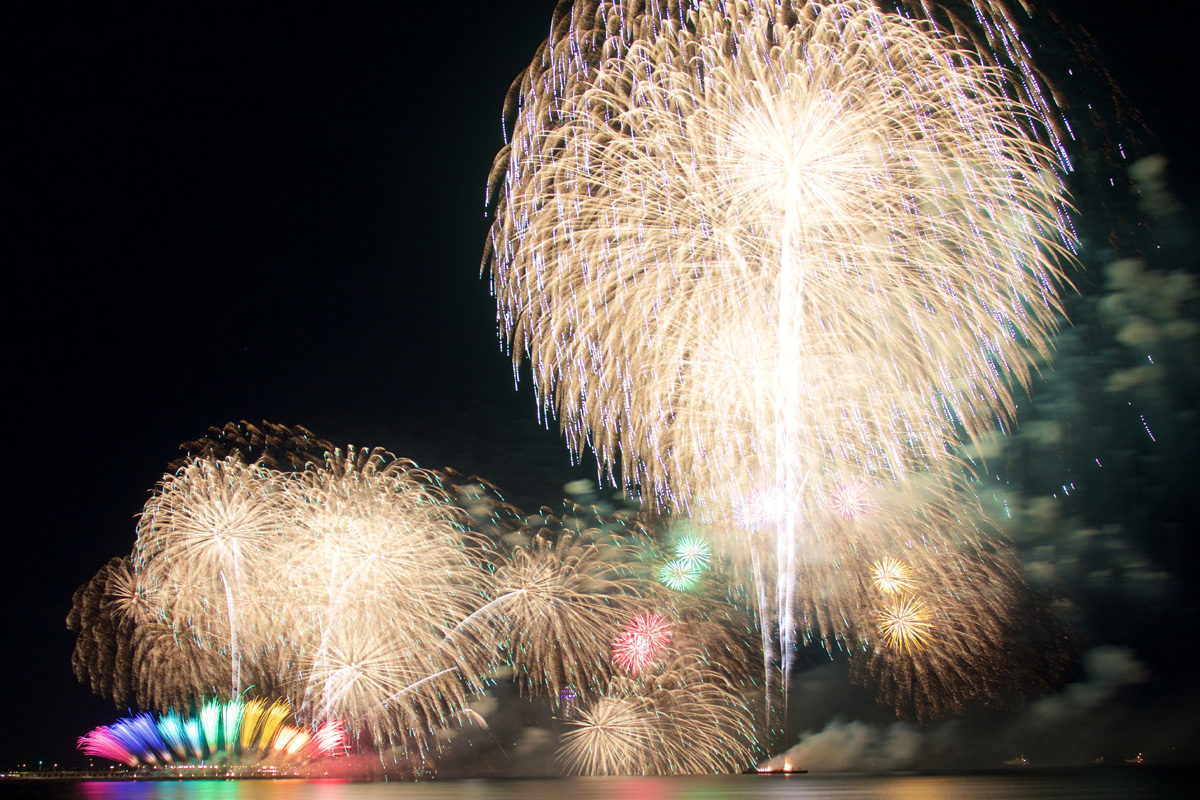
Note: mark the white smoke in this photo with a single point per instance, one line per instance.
(1106, 669)
(855, 746)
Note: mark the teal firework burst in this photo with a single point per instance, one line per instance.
(679, 575)
(694, 552)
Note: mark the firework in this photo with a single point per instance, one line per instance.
(199, 536)
(613, 737)
(557, 606)
(168, 669)
(905, 623)
(334, 588)
(693, 552)
(851, 500)
(990, 641)
(140, 740)
(102, 657)
(684, 720)
(694, 214)
(891, 576)
(764, 256)
(268, 444)
(382, 568)
(640, 640)
(679, 574)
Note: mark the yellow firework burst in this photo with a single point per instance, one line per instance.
(905, 624)
(891, 575)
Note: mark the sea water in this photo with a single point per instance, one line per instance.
(1030, 784)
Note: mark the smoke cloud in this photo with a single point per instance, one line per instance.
(1048, 729)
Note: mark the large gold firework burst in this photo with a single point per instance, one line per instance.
(764, 247)
(200, 539)
(382, 569)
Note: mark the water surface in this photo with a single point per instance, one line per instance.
(1092, 784)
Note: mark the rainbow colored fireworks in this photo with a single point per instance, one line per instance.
(237, 732)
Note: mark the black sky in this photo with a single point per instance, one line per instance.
(222, 211)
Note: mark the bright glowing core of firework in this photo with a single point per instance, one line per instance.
(693, 552)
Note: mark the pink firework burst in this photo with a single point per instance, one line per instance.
(640, 641)
(851, 500)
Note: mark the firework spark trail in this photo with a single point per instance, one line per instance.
(279, 447)
(752, 252)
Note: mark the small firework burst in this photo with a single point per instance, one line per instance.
(891, 575)
(762, 508)
(640, 641)
(693, 552)
(905, 624)
(679, 574)
(686, 720)
(613, 737)
(851, 500)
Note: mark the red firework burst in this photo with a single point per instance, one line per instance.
(640, 641)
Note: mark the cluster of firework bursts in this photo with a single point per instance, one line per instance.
(367, 593)
(773, 263)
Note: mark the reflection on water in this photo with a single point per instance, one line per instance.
(1118, 784)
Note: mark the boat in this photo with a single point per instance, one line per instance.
(767, 769)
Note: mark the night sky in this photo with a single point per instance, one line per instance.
(276, 211)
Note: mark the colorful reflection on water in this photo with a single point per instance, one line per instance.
(1017, 785)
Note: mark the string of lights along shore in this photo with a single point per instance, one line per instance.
(778, 266)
